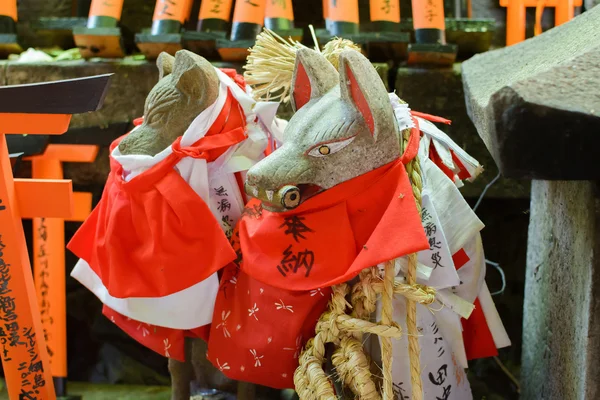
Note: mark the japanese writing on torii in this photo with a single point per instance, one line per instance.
(13, 335)
(430, 10)
(165, 7)
(44, 274)
(387, 6)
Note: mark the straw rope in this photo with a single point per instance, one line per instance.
(413, 170)
(270, 64)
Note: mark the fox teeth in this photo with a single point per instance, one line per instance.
(255, 191)
(269, 194)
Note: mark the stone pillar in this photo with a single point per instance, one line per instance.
(561, 333)
(537, 109)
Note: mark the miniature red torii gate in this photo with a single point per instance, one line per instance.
(49, 254)
(515, 15)
(32, 109)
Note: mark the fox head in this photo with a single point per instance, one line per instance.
(187, 85)
(343, 127)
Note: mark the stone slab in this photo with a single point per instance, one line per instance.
(536, 104)
(440, 92)
(561, 331)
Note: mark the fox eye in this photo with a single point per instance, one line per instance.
(155, 117)
(325, 149)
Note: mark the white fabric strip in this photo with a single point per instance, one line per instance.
(492, 318)
(187, 309)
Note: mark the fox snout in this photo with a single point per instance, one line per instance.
(285, 198)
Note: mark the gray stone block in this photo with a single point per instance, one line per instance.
(440, 92)
(561, 331)
(536, 104)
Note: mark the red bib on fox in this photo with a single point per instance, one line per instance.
(268, 303)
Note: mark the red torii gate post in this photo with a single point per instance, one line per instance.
(32, 109)
(49, 255)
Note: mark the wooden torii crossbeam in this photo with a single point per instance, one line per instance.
(36, 109)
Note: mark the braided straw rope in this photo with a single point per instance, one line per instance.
(345, 331)
(413, 170)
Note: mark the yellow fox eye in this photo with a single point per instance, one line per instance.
(322, 150)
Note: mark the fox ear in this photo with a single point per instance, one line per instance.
(313, 77)
(195, 77)
(164, 62)
(361, 86)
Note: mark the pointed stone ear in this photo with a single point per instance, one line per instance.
(361, 86)
(313, 77)
(195, 77)
(164, 62)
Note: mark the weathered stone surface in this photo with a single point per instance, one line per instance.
(590, 3)
(440, 92)
(561, 331)
(536, 104)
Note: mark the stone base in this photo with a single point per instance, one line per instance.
(99, 42)
(561, 327)
(203, 43)
(153, 45)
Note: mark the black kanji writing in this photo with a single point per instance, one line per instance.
(29, 395)
(387, 7)
(224, 205)
(8, 308)
(446, 394)
(399, 392)
(434, 244)
(14, 338)
(216, 6)
(220, 191)
(440, 378)
(425, 215)
(42, 231)
(295, 227)
(281, 3)
(39, 381)
(430, 13)
(251, 3)
(430, 229)
(165, 9)
(2, 208)
(436, 258)
(292, 262)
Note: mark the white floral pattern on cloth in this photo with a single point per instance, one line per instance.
(270, 329)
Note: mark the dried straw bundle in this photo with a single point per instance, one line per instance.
(271, 63)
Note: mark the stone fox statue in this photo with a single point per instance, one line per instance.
(334, 200)
(151, 249)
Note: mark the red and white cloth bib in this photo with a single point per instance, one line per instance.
(151, 249)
